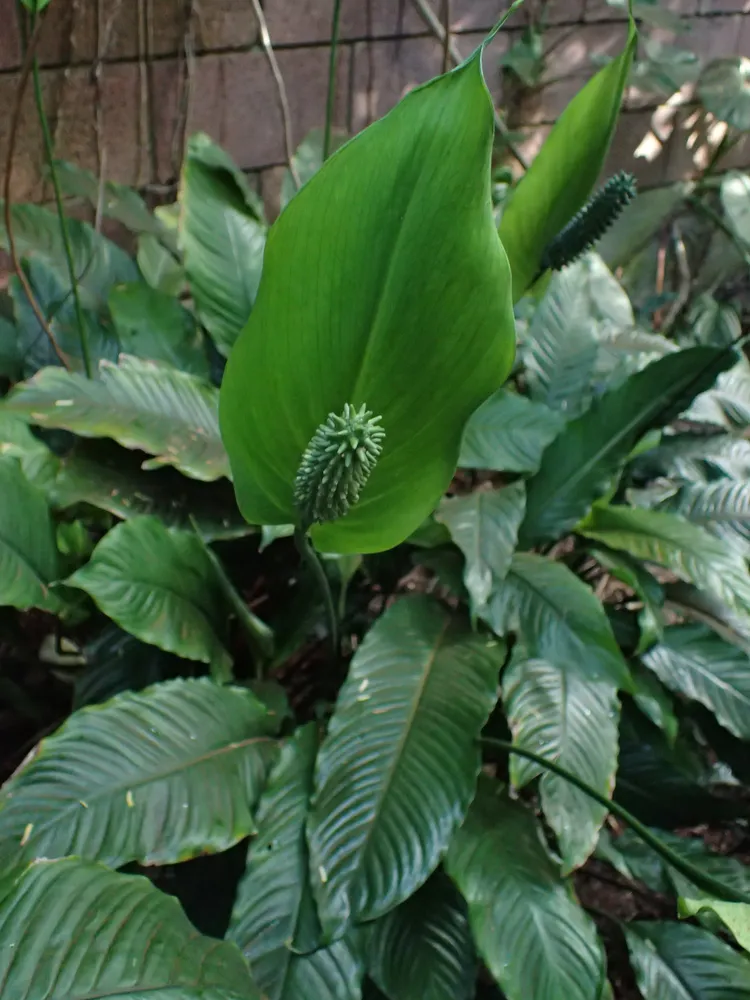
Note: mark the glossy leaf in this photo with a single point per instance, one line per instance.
(734, 916)
(532, 935)
(398, 767)
(484, 525)
(559, 619)
(98, 262)
(562, 176)
(155, 777)
(28, 553)
(724, 89)
(59, 935)
(351, 328)
(508, 433)
(423, 950)
(160, 268)
(667, 540)
(166, 413)
(693, 661)
(222, 236)
(39, 464)
(155, 326)
(158, 584)
(563, 712)
(273, 919)
(581, 464)
(678, 962)
(723, 508)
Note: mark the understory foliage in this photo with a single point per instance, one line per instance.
(220, 806)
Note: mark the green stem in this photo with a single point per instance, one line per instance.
(49, 152)
(259, 636)
(699, 878)
(311, 557)
(330, 103)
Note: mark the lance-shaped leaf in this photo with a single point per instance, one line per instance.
(76, 930)
(155, 777)
(398, 768)
(384, 283)
(167, 413)
(508, 433)
(562, 176)
(533, 936)
(274, 920)
(423, 950)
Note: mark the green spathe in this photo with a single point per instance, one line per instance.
(385, 284)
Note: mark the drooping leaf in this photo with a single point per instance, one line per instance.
(156, 777)
(98, 262)
(557, 616)
(352, 330)
(562, 176)
(653, 699)
(484, 525)
(159, 266)
(508, 433)
(116, 201)
(668, 540)
(398, 767)
(723, 508)
(39, 464)
(423, 950)
(734, 916)
(155, 326)
(166, 413)
(53, 297)
(222, 235)
(693, 661)
(580, 465)
(673, 961)
(563, 712)
(534, 938)
(274, 920)
(158, 584)
(645, 586)
(28, 553)
(59, 934)
(724, 89)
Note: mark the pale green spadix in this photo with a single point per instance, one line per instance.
(385, 285)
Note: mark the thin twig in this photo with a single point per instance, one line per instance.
(83, 333)
(447, 19)
(332, 60)
(683, 292)
(433, 23)
(26, 68)
(286, 117)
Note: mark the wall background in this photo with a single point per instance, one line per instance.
(125, 80)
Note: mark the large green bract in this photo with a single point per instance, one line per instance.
(364, 300)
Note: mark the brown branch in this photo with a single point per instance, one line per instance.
(26, 68)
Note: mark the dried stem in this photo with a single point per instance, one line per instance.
(286, 117)
(331, 101)
(447, 19)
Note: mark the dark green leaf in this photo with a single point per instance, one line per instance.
(39, 464)
(679, 962)
(158, 584)
(398, 767)
(423, 949)
(561, 711)
(508, 433)
(723, 508)
(564, 173)
(484, 525)
(274, 917)
(668, 540)
(332, 333)
(58, 935)
(156, 327)
(156, 777)
(581, 464)
(558, 617)
(695, 662)
(166, 413)
(535, 939)
(222, 236)
(28, 554)
(159, 267)
(654, 701)
(98, 263)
